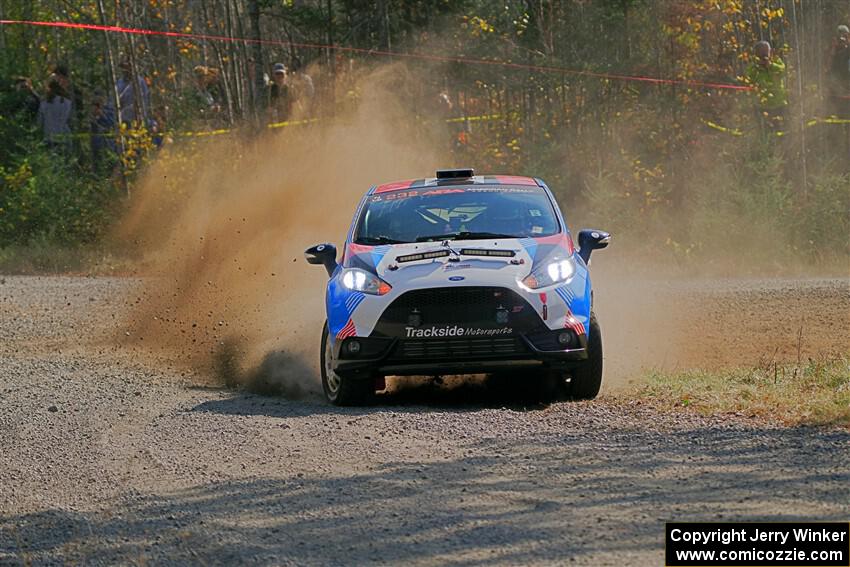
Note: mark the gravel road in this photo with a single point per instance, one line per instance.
(108, 457)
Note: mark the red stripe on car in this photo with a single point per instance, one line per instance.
(348, 331)
(514, 180)
(386, 187)
(563, 240)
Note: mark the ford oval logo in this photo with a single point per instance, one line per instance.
(456, 279)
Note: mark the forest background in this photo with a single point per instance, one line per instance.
(679, 169)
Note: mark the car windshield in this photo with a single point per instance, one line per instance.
(456, 213)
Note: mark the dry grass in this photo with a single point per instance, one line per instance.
(816, 392)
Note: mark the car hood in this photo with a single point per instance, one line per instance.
(459, 262)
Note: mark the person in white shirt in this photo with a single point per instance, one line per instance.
(54, 114)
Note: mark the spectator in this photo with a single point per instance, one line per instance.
(767, 77)
(26, 101)
(280, 96)
(102, 129)
(54, 113)
(208, 91)
(133, 109)
(208, 83)
(78, 112)
(444, 104)
(158, 131)
(443, 112)
(839, 74)
(302, 91)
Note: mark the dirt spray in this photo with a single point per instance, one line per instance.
(220, 237)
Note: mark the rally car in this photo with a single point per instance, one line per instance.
(459, 274)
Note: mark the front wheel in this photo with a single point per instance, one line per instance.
(339, 390)
(586, 380)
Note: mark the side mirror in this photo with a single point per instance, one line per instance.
(324, 254)
(590, 240)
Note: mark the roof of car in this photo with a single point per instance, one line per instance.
(475, 180)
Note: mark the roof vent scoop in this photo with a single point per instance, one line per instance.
(455, 173)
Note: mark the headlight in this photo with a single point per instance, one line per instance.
(356, 279)
(551, 273)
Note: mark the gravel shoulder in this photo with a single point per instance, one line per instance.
(109, 457)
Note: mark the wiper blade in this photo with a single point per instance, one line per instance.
(378, 240)
(464, 235)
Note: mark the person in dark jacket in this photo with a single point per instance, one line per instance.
(280, 93)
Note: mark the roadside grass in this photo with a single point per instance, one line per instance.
(815, 392)
(41, 257)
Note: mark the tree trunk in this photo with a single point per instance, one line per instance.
(138, 103)
(2, 29)
(113, 77)
(233, 55)
(331, 67)
(259, 85)
(248, 64)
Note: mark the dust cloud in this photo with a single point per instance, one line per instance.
(220, 239)
(218, 232)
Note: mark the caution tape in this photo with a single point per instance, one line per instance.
(221, 131)
(830, 120)
(476, 118)
(808, 124)
(292, 123)
(459, 119)
(733, 131)
(271, 126)
(202, 133)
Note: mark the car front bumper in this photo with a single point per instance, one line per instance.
(406, 357)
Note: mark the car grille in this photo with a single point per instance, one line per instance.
(459, 348)
(455, 304)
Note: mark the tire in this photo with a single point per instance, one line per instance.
(341, 390)
(587, 379)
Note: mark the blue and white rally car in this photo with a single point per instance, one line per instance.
(459, 274)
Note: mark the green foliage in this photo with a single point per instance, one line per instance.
(733, 205)
(42, 255)
(743, 209)
(45, 197)
(822, 224)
